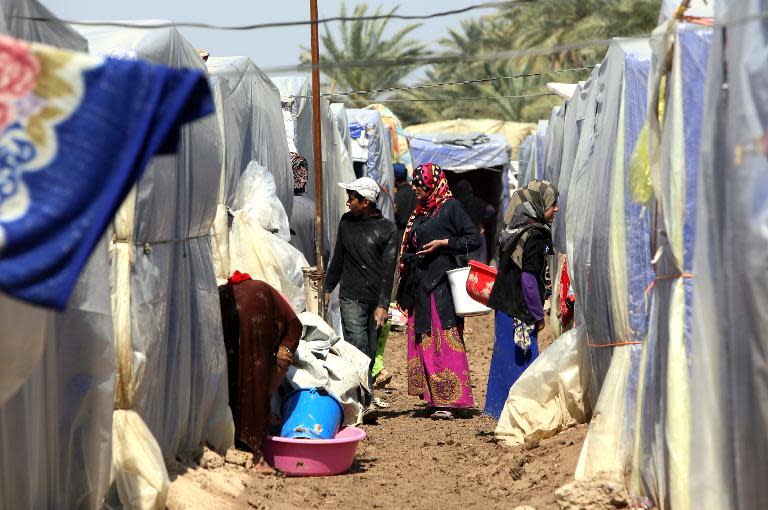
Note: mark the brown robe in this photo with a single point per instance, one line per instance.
(256, 322)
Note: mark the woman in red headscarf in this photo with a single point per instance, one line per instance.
(438, 237)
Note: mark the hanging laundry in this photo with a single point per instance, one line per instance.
(76, 132)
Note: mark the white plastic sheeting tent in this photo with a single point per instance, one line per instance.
(252, 129)
(730, 304)
(170, 353)
(371, 145)
(665, 428)
(669, 282)
(56, 369)
(296, 98)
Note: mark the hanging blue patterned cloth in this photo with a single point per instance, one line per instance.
(76, 133)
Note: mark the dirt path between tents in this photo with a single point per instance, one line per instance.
(408, 461)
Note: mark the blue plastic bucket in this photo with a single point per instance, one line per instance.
(311, 413)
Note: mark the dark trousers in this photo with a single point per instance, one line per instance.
(360, 328)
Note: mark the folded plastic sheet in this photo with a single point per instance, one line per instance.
(730, 315)
(551, 395)
(372, 147)
(259, 237)
(457, 158)
(138, 469)
(171, 358)
(665, 426)
(296, 98)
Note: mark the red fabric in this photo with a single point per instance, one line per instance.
(238, 277)
(566, 296)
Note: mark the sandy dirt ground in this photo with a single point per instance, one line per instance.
(408, 460)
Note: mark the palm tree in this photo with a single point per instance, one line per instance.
(364, 40)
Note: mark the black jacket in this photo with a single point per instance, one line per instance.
(364, 259)
(452, 223)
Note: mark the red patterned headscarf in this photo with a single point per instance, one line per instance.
(431, 178)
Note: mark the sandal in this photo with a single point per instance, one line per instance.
(442, 414)
(380, 403)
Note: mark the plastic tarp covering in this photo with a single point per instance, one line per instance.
(526, 151)
(610, 267)
(374, 150)
(514, 132)
(553, 144)
(458, 158)
(259, 239)
(52, 33)
(401, 152)
(296, 98)
(551, 395)
(341, 121)
(730, 304)
(252, 129)
(56, 369)
(55, 431)
(541, 136)
(575, 110)
(664, 426)
(171, 360)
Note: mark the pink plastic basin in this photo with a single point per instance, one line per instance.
(314, 457)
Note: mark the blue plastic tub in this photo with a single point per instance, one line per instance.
(311, 413)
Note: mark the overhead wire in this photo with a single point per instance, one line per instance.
(276, 24)
(476, 98)
(461, 82)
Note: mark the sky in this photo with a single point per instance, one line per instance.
(270, 47)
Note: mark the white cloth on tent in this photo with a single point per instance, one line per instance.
(551, 395)
(342, 369)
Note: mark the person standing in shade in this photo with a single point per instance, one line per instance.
(303, 236)
(479, 211)
(405, 199)
(438, 233)
(364, 264)
(518, 292)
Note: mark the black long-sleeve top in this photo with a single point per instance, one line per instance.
(452, 223)
(507, 295)
(364, 259)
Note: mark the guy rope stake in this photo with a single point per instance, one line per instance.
(318, 153)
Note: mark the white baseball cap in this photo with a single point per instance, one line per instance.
(365, 186)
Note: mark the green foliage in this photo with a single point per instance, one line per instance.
(531, 24)
(365, 40)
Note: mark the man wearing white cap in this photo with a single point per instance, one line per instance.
(364, 263)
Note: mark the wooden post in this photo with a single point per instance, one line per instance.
(318, 151)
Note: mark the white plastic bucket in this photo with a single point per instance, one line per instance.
(464, 305)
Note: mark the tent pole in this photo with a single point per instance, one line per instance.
(318, 153)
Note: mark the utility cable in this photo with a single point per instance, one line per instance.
(462, 82)
(275, 24)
